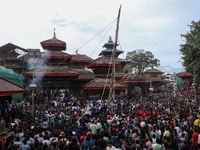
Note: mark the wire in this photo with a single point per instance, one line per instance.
(91, 40)
(96, 35)
(112, 57)
(107, 76)
(102, 39)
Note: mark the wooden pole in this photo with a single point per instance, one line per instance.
(111, 97)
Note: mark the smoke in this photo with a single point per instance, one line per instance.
(39, 67)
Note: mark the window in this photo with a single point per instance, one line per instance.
(154, 75)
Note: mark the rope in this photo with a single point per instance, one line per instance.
(109, 71)
(82, 115)
(96, 35)
(102, 39)
(107, 76)
(89, 41)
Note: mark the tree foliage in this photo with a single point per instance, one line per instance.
(191, 49)
(141, 60)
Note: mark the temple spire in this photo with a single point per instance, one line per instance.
(53, 44)
(54, 34)
(76, 52)
(110, 40)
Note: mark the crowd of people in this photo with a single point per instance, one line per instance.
(164, 121)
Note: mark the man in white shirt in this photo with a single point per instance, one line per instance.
(46, 141)
(47, 116)
(62, 114)
(52, 122)
(109, 120)
(98, 125)
(110, 146)
(55, 103)
(177, 129)
(154, 132)
(158, 132)
(142, 124)
(9, 105)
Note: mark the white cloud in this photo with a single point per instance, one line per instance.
(167, 68)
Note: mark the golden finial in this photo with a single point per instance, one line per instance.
(54, 35)
(110, 40)
(76, 52)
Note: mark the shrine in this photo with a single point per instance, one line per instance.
(58, 69)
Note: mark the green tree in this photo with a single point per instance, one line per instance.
(141, 60)
(191, 49)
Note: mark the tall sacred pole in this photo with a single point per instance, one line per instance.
(111, 97)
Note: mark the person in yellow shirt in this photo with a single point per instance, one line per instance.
(197, 122)
(198, 115)
(166, 133)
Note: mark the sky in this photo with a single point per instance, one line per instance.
(151, 25)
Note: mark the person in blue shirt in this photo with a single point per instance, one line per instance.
(88, 142)
(60, 121)
(24, 146)
(179, 123)
(129, 128)
(135, 123)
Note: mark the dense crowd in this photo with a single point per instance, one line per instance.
(159, 122)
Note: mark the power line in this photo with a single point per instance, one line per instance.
(90, 40)
(96, 35)
(102, 39)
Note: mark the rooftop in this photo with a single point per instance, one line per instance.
(184, 74)
(100, 84)
(102, 61)
(153, 71)
(81, 58)
(55, 54)
(9, 47)
(51, 71)
(9, 88)
(53, 44)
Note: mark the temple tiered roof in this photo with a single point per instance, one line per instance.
(109, 49)
(81, 58)
(99, 84)
(53, 44)
(102, 61)
(84, 74)
(55, 54)
(51, 71)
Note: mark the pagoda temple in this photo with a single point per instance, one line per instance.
(102, 68)
(58, 69)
